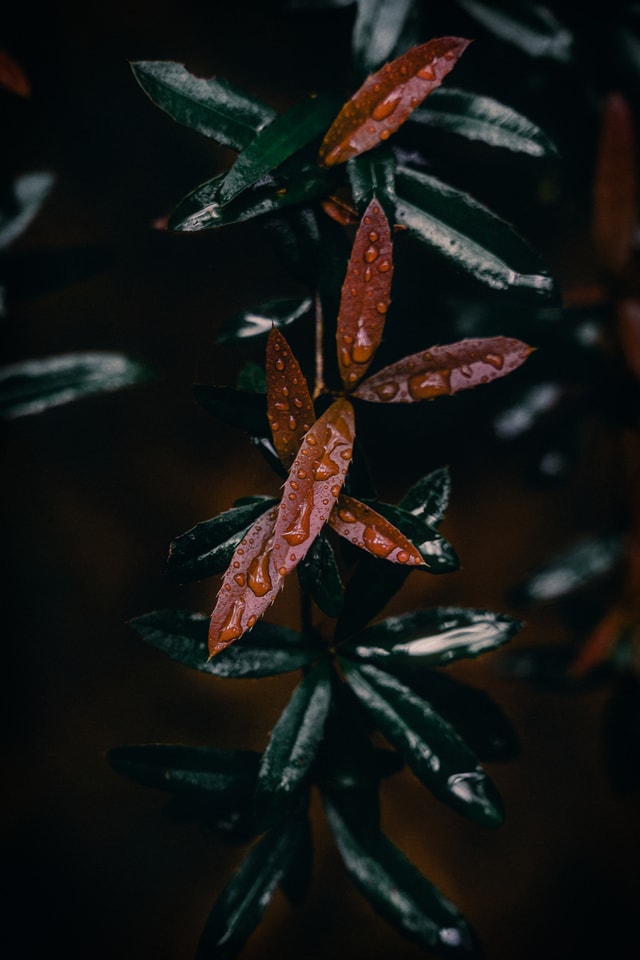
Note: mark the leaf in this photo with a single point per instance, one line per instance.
(276, 142)
(444, 370)
(293, 742)
(319, 576)
(387, 97)
(257, 322)
(267, 651)
(252, 378)
(428, 498)
(296, 880)
(482, 118)
(577, 566)
(237, 407)
(12, 76)
(20, 201)
(207, 548)
(213, 107)
(467, 233)
(538, 401)
(365, 297)
(429, 745)
(366, 528)
(437, 553)
(433, 637)
(290, 409)
(33, 386)
(378, 31)
(397, 891)
(531, 27)
(372, 175)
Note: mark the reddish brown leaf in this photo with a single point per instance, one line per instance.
(248, 586)
(365, 295)
(388, 97)
(12, 76)
(615, 187)
(340, 211)
(629, 332)
(367, 529)
(442, 371)
(289, 405)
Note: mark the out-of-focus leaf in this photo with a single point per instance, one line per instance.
(34, 273)
(366, 294)
(282, 137)
(213, 107)
(468, 234)
(443, 371)
(388, 97)
(317, 4)
(257, 321)
(573, 568)
(373, 174)
(378, 32)
(548, 668)
(33, 386)
(360, 524)
(296, 880)
(531, 27)
(290, 410)
(319, 576)
(237, 407)
(252, 378)
(629, 331)
(482, 118)
(20, 201)
(428, 744)
(207, 548)
(12, 76)
(428, 498)
(534, 403)
(621, 730)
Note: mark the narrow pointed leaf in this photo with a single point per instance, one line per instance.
(437, 553)
(428, 498)
(444, 370)
(296, 880)
(12, 76)
(616, 192)
(366, 528)
(20, 202)
(266, 651)
(366, 294)
(579, 565)
(33, 386)
(468, 234)
(319, 576)
(428, 744)
(257, 322)
(485, 119)
(372, 175)
(252, 378)
(237, 407)
(213, 107)
(377, 31)
(531, 27)
(387, 97)
(290, 409)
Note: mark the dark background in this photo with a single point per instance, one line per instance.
(95, 491)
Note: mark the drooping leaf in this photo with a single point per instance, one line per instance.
(468, 234)
(267, 651)
(373, 174)
(577, 566)
(531, 27)
(482, 118)
(428, 744)
(257, 321)
(20, 201)
(537, 401)
(213, 107)
(366, 294)
(378, 31)
(428, 498)
(33, 386)
(237, 407)
(360, 524)
(387, 97)
(290, 410)
(444, 370)
(207, 548)
(319, 576)
(437, 553)
(12, 76)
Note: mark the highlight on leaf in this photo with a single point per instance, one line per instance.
(289, 405)
(370, 531)
(388, 97)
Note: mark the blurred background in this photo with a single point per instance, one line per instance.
(95, 491)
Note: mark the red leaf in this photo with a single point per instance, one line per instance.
(629, 332)
(339, 210)
(289, 405)
(388, 97)
(365, 295)
(367, 529)
(12, 76)
(615, 187)
(442, 371)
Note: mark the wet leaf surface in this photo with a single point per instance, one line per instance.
(428, 498)
(319, 576)
(372, 175)
(363, 526)
(290, 410)
(257, 321)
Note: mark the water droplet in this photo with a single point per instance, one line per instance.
(377, 543)
(371, 129)
(227, 587)
(293, 423)
(335, 491)
(367, 220)
(346, 515)
(466, 370)
(325, 503)
(279, 364)
(297, 402)
(353, 376)
(285, 391)
(325, 468)
(235, 564)
(362, 350)
(311, 440)
(354, 291)
(371, 254)
(495, 359)
(258, 574)
(231, 627)
(298, 530)
(384, 134)
(282, 571)
(382, 307)
(385, 108)
(426, 73)
(383, 266)
(404, 70)
(373, 236)
(240, 579)
(292, 496)
(427, 356)
(301, 474)
(277, 346)
(430, 383)
(376, 88)
(281, 405)
(347, 454)
(387, 391)
(251, 622)
(367, 274)
(402, 557)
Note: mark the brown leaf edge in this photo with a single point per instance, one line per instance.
(290, 409)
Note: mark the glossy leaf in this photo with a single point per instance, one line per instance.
(531, 27)
(378, 31)
(465, 232)
(252, 378)
(290, 410)
(319, 576)
(444, 371)
(373, 174)
(237, 407)
(213, 107)
(428, 498)
(387, 98)
(366, 294)
(20, 201)
(428, 744)
(34, 386)
(257, 321)
(577, 566)
(363, 526)
(267, 651)
(482, 118)
(276, 142)
(12, 76)
(437, 553)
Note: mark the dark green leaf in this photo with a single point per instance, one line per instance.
(539, 400)
(373, 174)
(319, 576)
(268, 451)
(428, 498)
(483, 118)
(207, 548)
(468, 234)
(252, 378)
(428, 744)
(20, 201)
(36, 273)
(237, 407)
(213, 107)
(531, 27)
(33, 386)
(378, 33)
(265, 651)
(573, 568)
(258, 321)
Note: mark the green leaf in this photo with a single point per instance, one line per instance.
(207, 548)
(483, 118)
(379, 30)
(20, 201)
(434, 637)
(468, 234)
(531, 27)
(213, 107)
(429, 745)
(296, 880)
(258, 321)
(33, 386)
(428, 498)
(396, 889)
(293, 743)
(237, 407)
(579, 565)
(280, 139)
(252, 378)
(266, 651)
(373, 174)
(319, 576)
